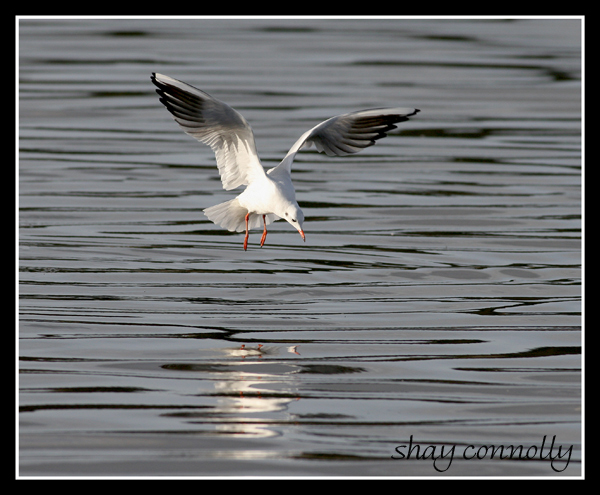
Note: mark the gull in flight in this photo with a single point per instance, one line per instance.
(270, 194)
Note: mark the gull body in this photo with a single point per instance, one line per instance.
(269, 195)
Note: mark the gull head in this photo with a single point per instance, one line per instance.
(293, 215)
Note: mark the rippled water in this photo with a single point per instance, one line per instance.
(437, 295)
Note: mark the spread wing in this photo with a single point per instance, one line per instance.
(348, 133)
(216, 124)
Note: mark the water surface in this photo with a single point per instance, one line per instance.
(437, 295)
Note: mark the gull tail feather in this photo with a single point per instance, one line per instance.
(232, 216)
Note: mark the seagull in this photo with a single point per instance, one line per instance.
(269, 194)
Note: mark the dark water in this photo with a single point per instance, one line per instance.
(438, 294)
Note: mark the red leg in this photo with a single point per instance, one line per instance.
(247, 233)
(264, 236)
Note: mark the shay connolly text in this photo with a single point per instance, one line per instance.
(442, 455)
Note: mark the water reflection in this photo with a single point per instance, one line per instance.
(243, 405)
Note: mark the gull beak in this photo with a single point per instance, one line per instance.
(302, 234)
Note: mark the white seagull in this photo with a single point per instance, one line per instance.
(269, 194)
